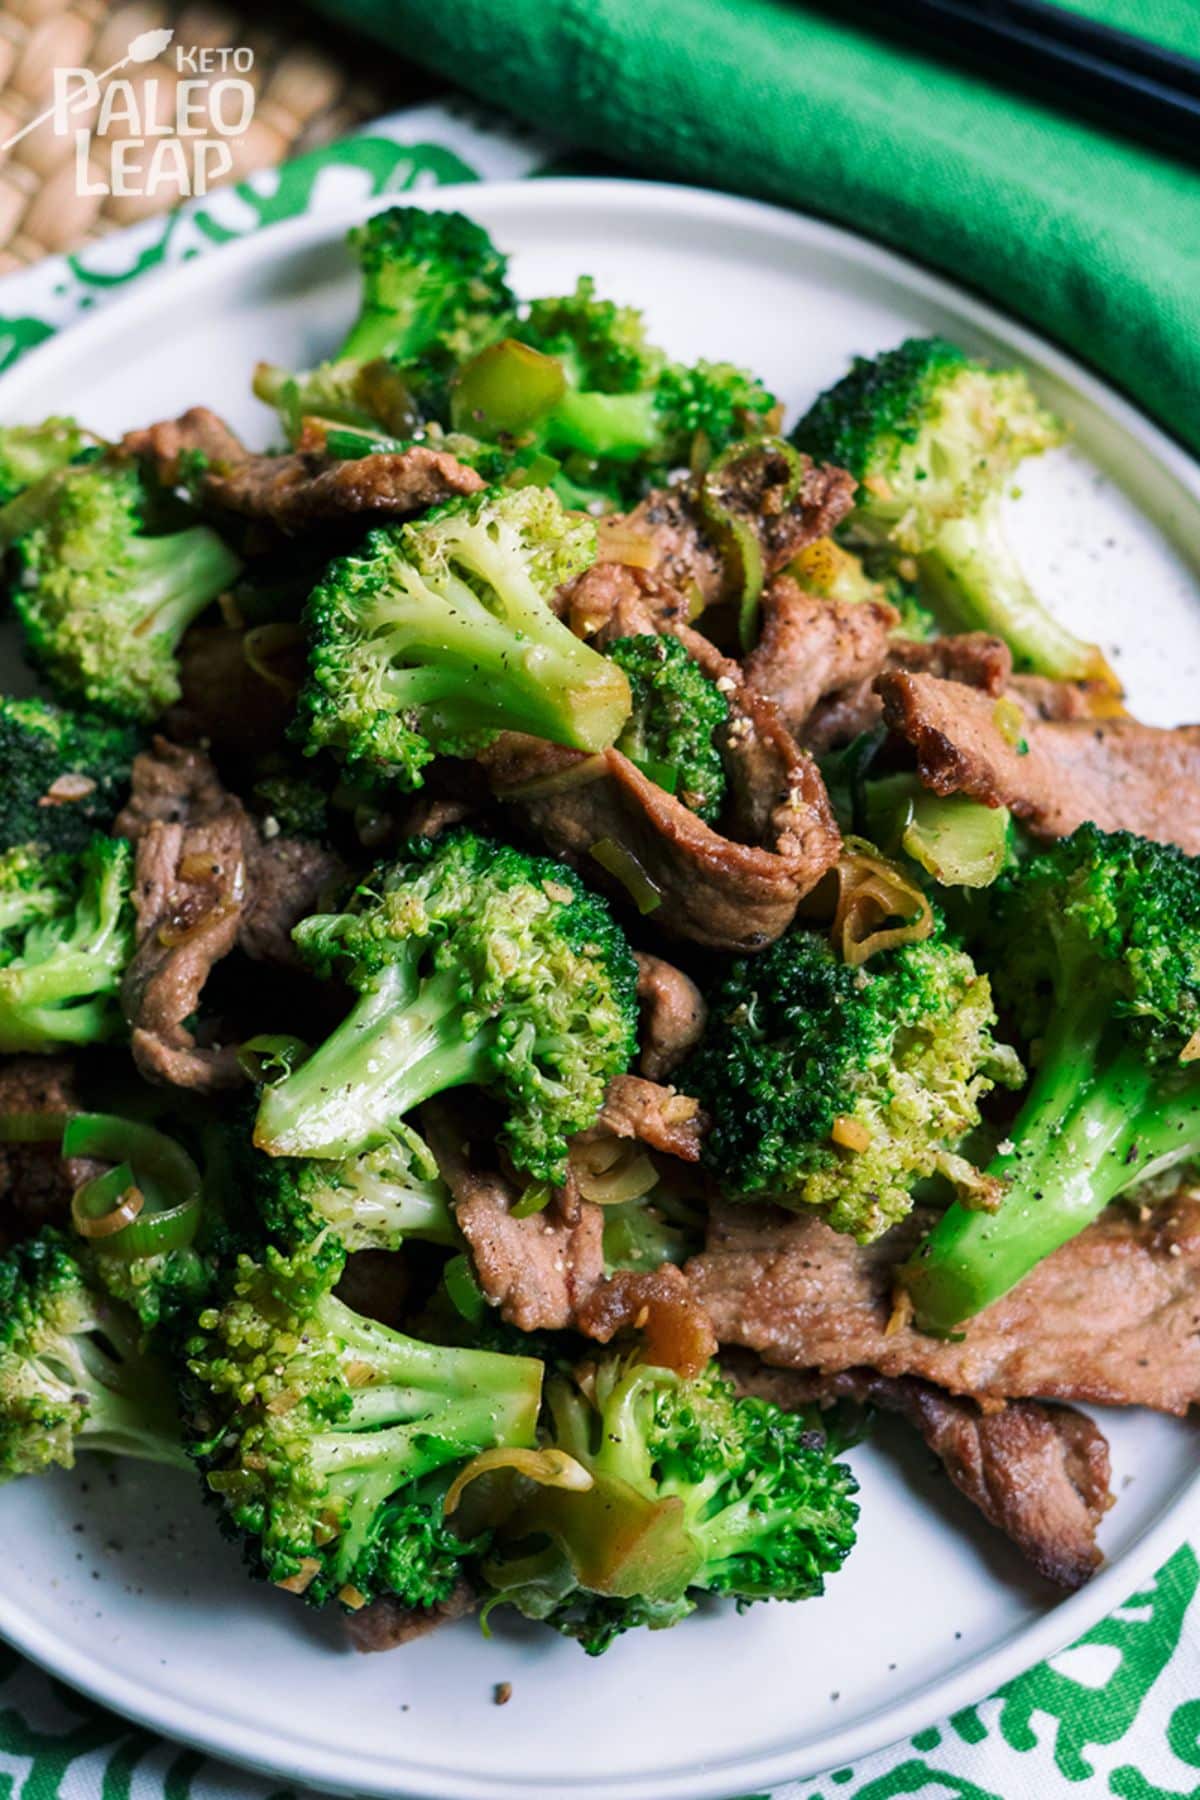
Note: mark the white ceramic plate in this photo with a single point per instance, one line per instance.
(121, 1585)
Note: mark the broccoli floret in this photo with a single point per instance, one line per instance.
(677, 712)
(102, 604)
(298, 804)
(933, 439)
(324, 1433)
(28, 453)
(66, 934)
(838, 1088)
(73, 1373)
(65, 774)
(433, 293)
(369, 1202)
(474, 963)
(440, 634)
(677, 1489)
(627, 416)
(1095, 947)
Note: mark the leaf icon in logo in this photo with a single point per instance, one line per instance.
(149, 44)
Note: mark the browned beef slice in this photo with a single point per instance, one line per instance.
(1042, 697)
(538, 1270)
(387, 1624)
(227, 702)
(673, 1014)
(732, 896)
(162, 445)
(301, 490)
(654, 1115)
(612, 600)
(170, 785)
(809, 647)
(1120, 774)
(189, 892)
(1112, 1318)
(972, 657)
(659, 1304)
(288, 879)
(204, 882)
(35, 1183)
(1040, 1474)
(680, 551)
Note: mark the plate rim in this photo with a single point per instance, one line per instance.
(350, 1770)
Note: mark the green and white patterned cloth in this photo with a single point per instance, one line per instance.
(1118, 1714)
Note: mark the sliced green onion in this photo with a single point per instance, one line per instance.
(272, 1055)
(107, 1204)
(31, 1127)
(505, 389)
(663, 775)
(465, 1293)
(626, 869)
(148, 1162)
(735, 537)
(535, 1199)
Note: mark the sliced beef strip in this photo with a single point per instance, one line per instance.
(1042, 697)
(679, 549)
(190, 890)
(205, 882)
(655, 1115)
(1111, 1319)
(538, 1270)
(300, 491)
(170, 785)
(289, 879)
(675, 1330)
(809, 647)
(1118, 773)
(731, 896)
(1040, 1474)
(35, 1183)
(225, 701)
(612, 600)
(387, 1624)
(673, 1015)
(972, 657)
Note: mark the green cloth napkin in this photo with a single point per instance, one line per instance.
(1090, 237)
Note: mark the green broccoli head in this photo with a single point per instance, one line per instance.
(933, 439)
(102, 603)
(928, 433)
(330, 1439)
(1095, 948)
(677, 714)
(73, 1373)
(475, 963)
(374, 1201)
(433, 293)
(299, 804)
(440, 634)
(66, 934)
(66, 774)
(665, 1488)
(28, 453)
(838, 1088)
(602, 346)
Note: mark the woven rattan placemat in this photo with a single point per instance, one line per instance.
(309, 88)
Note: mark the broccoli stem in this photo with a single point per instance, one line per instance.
(1092, 1125)
(550, 684)
(130, 1406)
(401, 1044)
(621, 427)
(177, 578)
(973, 576)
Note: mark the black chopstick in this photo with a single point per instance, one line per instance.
(1126, 83)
